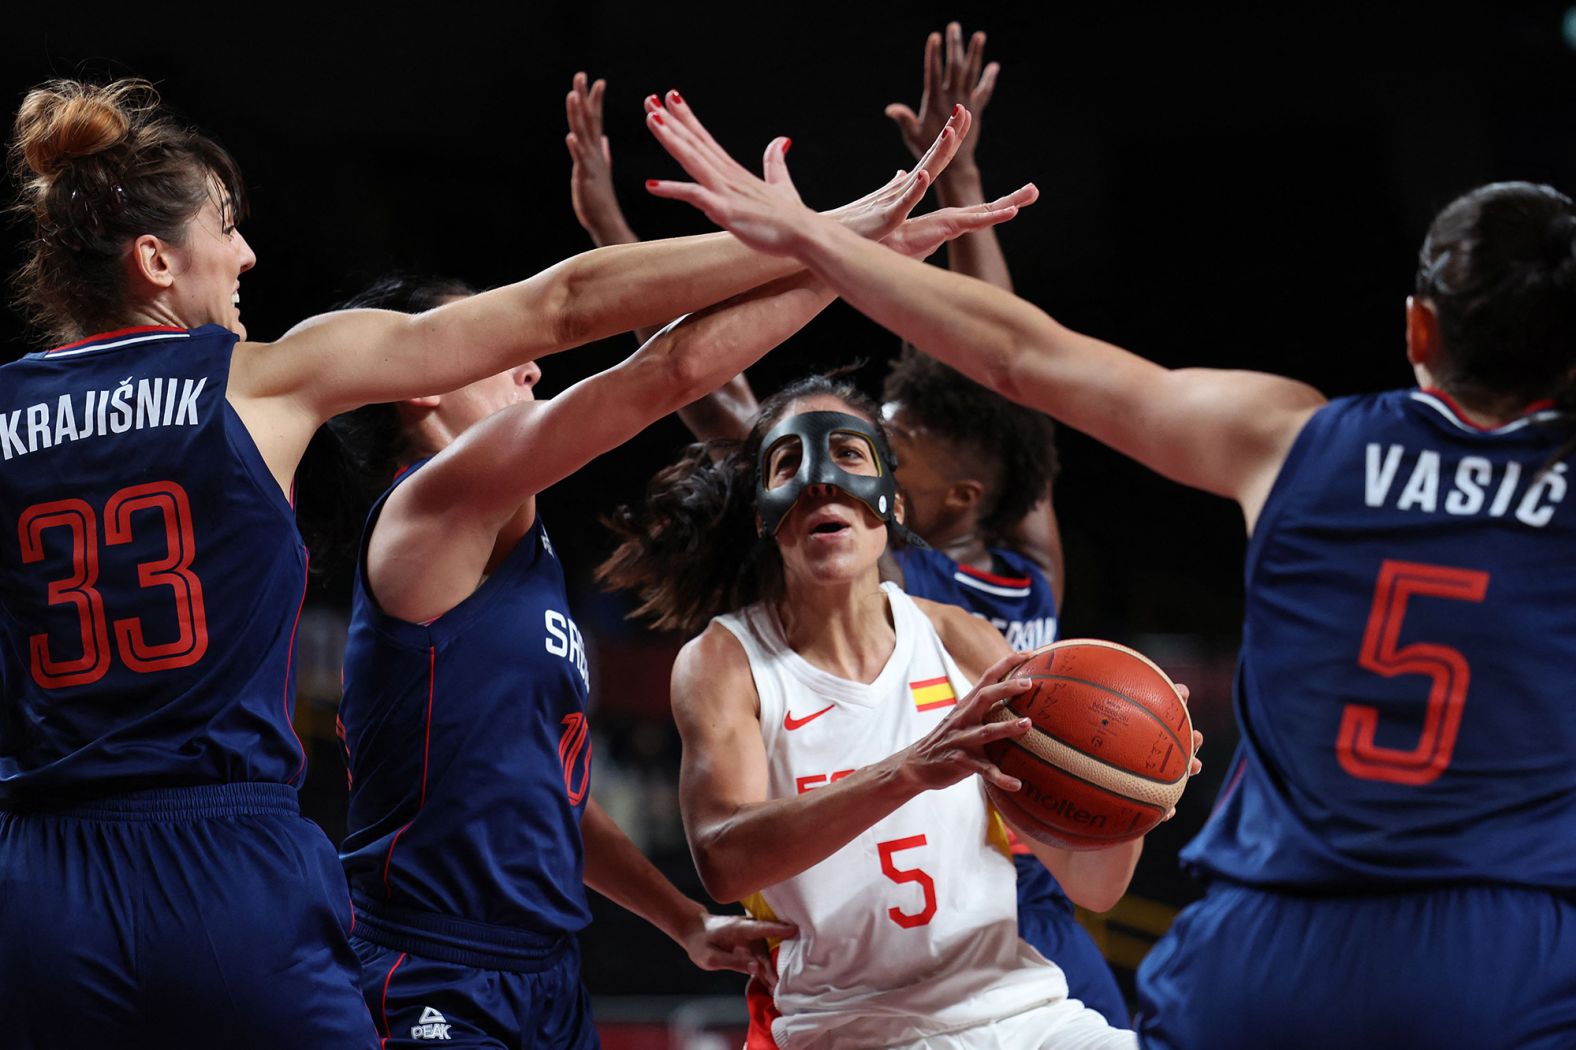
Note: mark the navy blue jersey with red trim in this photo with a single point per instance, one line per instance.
(1014, 596)
(151, 573)
(470, 759)
(1403, 688)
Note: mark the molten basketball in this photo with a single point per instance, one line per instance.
(1109, 752)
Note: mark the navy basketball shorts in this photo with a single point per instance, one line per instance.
(432, 978)
(1474, 967)
(208, 916)
(1049, 922)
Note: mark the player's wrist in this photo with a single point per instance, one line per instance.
(960, 185)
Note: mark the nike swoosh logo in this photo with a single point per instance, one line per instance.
(791, 723)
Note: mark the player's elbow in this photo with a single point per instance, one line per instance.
(1098, 898)
(567, 302)
(720, 873)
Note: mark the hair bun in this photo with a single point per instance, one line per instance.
(66, 119)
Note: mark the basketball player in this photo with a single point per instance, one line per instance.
(156, 880)
(1390, 862)
(471, 832)
(828, 769)
(994, 552)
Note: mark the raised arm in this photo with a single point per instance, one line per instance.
(449, 517)
(743, 843)
(1226, 432)
(954, 77)
(285, 390)
(722, 413)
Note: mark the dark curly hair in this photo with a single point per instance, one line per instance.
(352, 458)
(691, 552)
(1010, 449)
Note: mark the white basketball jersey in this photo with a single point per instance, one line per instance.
(911, 929)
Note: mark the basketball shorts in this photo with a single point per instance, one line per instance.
(434, 979)
(206, 916)
(1048, 921)
(1475, 967)
(1063, 1025)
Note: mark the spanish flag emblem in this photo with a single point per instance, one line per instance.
(932, 693)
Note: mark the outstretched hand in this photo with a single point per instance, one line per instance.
(766, 213)
(920, 236)
(591, 176)
(952, 78)
(735, 942)
(955, 748)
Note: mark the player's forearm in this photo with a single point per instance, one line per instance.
(727, 412)
(977, 254)
(1093, 879)
(625, 286)
(762, 844)
(616, 869)
(713, 347)
(980, 330)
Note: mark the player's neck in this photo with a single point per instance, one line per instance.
(966, 547)
(843, 628)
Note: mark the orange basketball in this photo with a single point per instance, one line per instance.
(1109, 752)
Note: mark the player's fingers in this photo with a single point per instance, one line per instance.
(954, 61)
(907, 122)
(774, 163)
(594, 98)
(993, 731)
(986, 86)
(979, 217)
(688, 192)
(743, 931)
(1021, 197)
(1183, 691)
(651, 103)
(991, 693)
(972, 60)
(607, 152)
(990, 772)
(685, 115)
(997, 671)
(573, 111)
(578, 83)
(682, 146)
(933, 81)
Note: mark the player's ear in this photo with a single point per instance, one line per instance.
(899, 508)
(152, 262)
(964, 495)
(1422, 333)
(426, 401)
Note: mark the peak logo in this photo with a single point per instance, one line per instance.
(431, 1026)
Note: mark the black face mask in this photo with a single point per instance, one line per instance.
(814, 432)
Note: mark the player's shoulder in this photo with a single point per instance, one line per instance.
(715, 652)
(711, 668)
(971, 639)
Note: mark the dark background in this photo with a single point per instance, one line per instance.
(1236, 186)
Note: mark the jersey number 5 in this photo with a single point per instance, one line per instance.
(173, 570)
(908, 920)
(1444, 666)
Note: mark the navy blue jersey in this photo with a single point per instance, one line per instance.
(151, 573)
(469, 754)
(1403, 689)
(1015, 596)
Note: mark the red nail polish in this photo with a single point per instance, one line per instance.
(656, 117)
(652, 100)
(957, 109)
(651, 184)
(675, 98)
(786, 144)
